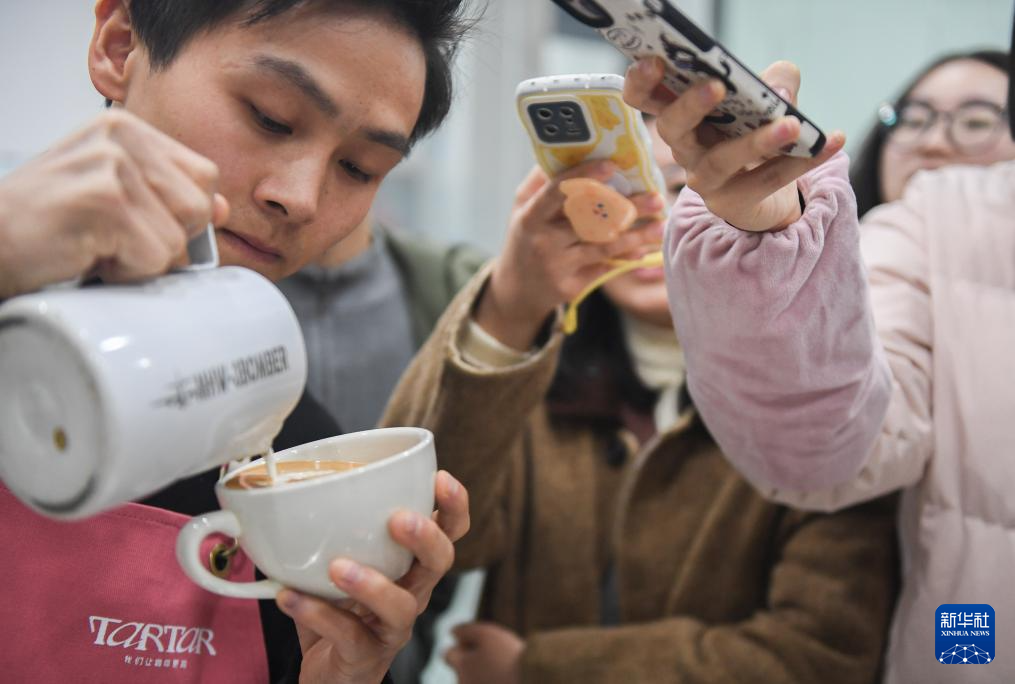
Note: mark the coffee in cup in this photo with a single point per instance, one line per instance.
(286, 472)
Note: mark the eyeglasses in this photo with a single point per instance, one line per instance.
(971, 127)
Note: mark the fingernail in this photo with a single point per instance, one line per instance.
(348, 572)
(410, 523)
(785, 130)
(646, 67)
(452, 484)
(784, 94)
(709, 92)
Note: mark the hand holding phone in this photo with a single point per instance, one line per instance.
(747, 176)
(576, 118)
(647, 28)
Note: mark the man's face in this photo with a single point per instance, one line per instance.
(304, 115)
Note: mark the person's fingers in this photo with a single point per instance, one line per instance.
(395, 608)
(317, 618)
(470, 635)
(452, 517)
(648, 234)
(596, 169)
(455, 657)
(631, 240)
(728, 158)
(547, 203)
(432, 549)
(154, 151)
(182, 179)
(643, 87)
(220, 213)
(466, 634)
(757, 184)
(452, 514)
(784, 78)
(151, 238)
(648, 204)
(678, 123)
(535, 180)
(191, 204)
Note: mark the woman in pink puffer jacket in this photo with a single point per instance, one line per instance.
(831, 372)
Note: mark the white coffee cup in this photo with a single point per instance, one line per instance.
(293, 531)
(110, 393)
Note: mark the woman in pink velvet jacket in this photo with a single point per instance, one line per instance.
(831, 372)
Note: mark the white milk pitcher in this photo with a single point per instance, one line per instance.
(109, 393)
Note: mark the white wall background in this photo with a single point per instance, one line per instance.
(43, 75)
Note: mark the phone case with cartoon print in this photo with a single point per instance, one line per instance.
(643, 28)
(581, 117)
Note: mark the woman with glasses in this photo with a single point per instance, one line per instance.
(953, 112)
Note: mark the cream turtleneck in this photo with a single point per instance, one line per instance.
(659, 364)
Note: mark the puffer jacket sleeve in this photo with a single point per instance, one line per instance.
(894, 248)
(783, 358)
(479, 418)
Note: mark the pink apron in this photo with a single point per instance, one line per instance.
(104, 600)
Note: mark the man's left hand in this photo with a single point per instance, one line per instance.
(355, 640)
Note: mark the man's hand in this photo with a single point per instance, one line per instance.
(356, 640)
(744, 181)
(545, 264)
(486, 653)
(118, 199)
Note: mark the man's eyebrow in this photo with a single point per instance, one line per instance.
(395, 141)
(301, 78)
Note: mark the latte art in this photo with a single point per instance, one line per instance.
(287, 472)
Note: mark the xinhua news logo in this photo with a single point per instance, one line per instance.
(965, 634)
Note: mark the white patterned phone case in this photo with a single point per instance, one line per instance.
(643, 28)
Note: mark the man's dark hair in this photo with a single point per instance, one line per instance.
(865, 173)
(165, 26)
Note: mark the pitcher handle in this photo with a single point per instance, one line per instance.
(203, 251)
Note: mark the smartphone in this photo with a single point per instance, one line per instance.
(582, 117)
(643, 28)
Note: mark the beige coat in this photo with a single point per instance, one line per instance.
(715, 584)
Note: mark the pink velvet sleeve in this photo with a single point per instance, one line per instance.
(783, 361)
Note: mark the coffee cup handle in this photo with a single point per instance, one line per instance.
(188, 553)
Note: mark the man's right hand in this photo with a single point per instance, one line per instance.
(545, 263)
(118, 199)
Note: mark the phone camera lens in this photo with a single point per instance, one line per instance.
(551, 130)
(544, 113)
(567, 112)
